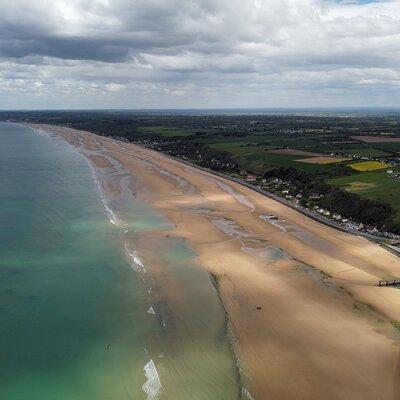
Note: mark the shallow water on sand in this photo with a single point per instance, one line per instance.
(74, 312)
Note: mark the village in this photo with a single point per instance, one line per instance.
(310, 204)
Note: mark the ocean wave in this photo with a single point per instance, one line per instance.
(152, 387)
(246, 393)
(42, 132)
(113, 218)
(136, 263)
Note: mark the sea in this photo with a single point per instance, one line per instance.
(86, 306)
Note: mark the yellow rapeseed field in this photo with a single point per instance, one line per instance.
(368, 166)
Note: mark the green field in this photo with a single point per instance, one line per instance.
(240, 148)
(386, 146)
(273, 141)
(377, 185)
(252, 149)
(269, 159)
(170, 131)
(260, 155)
(238, 140)
(362, 152)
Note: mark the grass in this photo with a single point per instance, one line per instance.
(377, 185)
(359, 186)
(273, 141)
(240, 148)
(363, 152)
(260, 154)
(368, 166)
(322, 160)
(386, 146)
(239, 140)
(270, 159)
(170, 131)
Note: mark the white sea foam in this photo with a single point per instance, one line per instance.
(152, 387)
(137, 264)
(151, 311)
(113, 218)
(138, 261)
(246, 393)
(111, 214)
(42, 132)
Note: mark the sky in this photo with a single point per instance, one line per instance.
(93, 54)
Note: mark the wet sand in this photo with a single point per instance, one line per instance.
(306, 318)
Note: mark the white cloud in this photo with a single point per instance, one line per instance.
(199, 53)
(114, 87)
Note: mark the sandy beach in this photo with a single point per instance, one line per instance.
(306, 318)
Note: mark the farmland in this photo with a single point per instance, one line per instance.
(388, 147)
(373, 185)
(368, 166)
(167, 131)
(377, 139)
(363, 152)
(323, 160)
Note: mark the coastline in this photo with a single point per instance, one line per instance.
(314, 216)
(147, 250)
(287, 346)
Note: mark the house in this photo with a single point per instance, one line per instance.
(250, 178)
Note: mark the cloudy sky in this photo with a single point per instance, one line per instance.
(198, 53)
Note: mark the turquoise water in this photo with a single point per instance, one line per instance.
(73, 314)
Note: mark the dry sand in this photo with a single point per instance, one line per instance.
(324, 330)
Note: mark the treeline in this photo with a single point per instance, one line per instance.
(199, 153)
(334, 199)
(124, 122)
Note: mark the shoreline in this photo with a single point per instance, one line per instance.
(231, 340)
(247, 281)
(153, 385)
